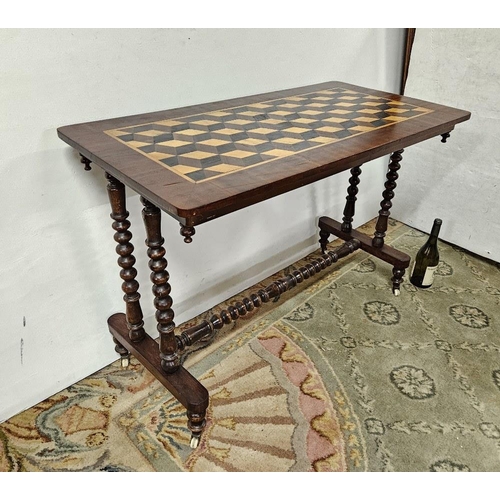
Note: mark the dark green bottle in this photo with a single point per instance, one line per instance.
(427, 259)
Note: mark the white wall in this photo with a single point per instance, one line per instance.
(58, 275)
(459, 181)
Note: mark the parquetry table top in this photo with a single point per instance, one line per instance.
(202, 161)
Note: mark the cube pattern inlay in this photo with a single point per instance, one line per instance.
(208, 145)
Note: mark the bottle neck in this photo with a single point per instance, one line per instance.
(435, 231)
(432, 239)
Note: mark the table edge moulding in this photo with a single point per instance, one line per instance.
(201, 162)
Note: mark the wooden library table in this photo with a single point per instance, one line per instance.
(201, 162)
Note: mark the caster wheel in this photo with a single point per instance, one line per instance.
(125, 362)
(396, 292)
(195, 441)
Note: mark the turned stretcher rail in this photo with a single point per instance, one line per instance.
(204, 331)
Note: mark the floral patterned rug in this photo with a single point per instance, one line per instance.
(339, 376)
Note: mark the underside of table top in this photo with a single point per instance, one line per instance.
(200, 162)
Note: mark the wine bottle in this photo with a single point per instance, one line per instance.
(427, 259)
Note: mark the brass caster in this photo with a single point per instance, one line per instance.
(125, 361)
(195, 441)
(396, 292)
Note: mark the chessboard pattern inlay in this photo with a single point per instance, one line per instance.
(205, 146)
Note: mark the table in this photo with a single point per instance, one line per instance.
(201, 162)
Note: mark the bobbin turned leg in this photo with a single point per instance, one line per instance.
(169, 350)
(170, 358)
(375, 246)
(349, 208)
(386, 203)
(134, 317)
(350, 204)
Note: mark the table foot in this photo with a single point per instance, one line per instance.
(397, 279)
(323, 240)
(196, 424)
(399, 260)
(181, 384)
(125, 362)
(195, 441)
(123, 352)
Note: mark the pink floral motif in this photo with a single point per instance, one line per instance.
(324, 438)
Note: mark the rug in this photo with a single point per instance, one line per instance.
(340, 375)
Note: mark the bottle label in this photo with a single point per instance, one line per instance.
(429, 276)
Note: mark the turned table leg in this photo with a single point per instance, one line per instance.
(382, 221)
(169, 354)
(375, 246)
(169, 347)
(126, 260)
(128, 329)
(349, 208)
(388, 195)
(350, 204)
